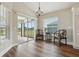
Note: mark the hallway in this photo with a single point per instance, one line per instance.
(41, 49)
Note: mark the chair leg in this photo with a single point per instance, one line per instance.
(66, 41)
(54, 39)
(59, 42)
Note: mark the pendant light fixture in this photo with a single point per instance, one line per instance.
(39, 12)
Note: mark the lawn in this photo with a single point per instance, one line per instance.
(2, 32)
(28, 33)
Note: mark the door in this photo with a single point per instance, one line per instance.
(25, 29)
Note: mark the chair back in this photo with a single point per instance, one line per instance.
(63, 33)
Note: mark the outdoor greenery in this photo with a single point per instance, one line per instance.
(28, 32)
(2, 32)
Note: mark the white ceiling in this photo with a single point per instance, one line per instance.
(49, 6)
(31, 7)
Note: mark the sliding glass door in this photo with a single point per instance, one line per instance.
(29, 29)
(25, 29)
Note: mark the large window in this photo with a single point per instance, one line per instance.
(51, 25)
(5, 16)
(3, 22)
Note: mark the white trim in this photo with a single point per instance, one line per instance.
(6, 50)
(76, 46)
(73, 17)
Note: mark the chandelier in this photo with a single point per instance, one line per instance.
(39, 12)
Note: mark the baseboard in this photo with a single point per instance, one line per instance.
(6, 50)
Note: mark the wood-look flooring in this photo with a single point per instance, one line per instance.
(42, 49)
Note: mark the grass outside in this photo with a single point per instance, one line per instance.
(29, 33)
(2, 32)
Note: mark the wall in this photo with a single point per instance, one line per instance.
(39, 23)
(65, 21)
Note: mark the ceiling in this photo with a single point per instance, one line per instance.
(47, 7)
(29, 8)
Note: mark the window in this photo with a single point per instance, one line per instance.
(5, 16)
(3, 22)
(51, 24)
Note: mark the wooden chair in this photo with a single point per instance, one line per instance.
(60, 34)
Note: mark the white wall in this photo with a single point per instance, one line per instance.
(65, 21)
